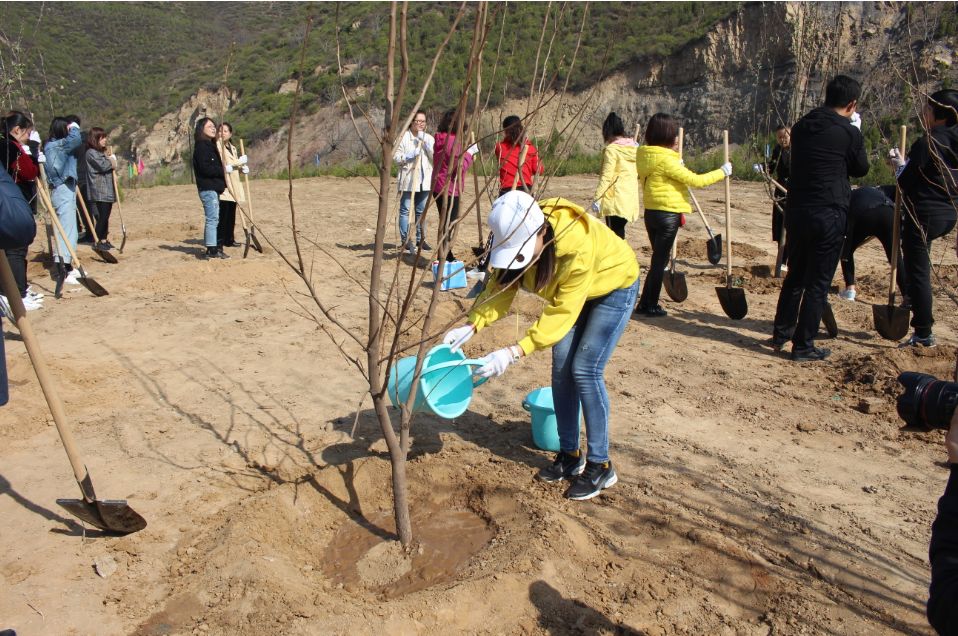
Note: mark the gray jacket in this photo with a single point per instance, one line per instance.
(99, 177)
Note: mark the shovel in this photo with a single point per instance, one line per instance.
(891, 322)
(119, 211)
(673, 281)
(112, 515)
(713, 246)
(732, 298)
(95, 288)
(249, 202)
(104, 254)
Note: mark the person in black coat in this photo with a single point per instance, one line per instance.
(17, 227)
(930, 197)
(780, 165)
(871, 214)
(210, 182)
(943, 551)
(827, 148)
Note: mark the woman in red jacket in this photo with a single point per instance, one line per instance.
(509, 154)
(19, 163)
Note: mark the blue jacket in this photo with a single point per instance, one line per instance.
(61, 157)
(17, 228)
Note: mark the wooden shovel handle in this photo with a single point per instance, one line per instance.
(522, 162)
(728, 209)
(249, 196)
(475, 185)
(675, 242)
(86, 215)
(245, 191)
(896, 224)
(9, 287)
(116, 191)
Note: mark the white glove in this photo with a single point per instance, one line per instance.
(113, 157)
(229, 169)
(497, 362)
(757, 168)
(895, 157)
(245, 169)
(41, 158)
(26, 150)
(421, 135)
(243, 160)
(727, 169)
(411, 156)
(35, 136)
(473, 150)
(72, 125)
(458, 337)
(596, 207)
(856, 121)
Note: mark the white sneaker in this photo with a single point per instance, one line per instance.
(5, 308)
(73, 278)
(784, 269)
(33, 293)
(847, 294)
(31, 304)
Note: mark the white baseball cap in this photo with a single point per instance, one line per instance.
(515, 220)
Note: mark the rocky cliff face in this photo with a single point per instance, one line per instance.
(766, 64)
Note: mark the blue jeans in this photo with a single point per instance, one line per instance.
(211, 210)
(64, 200)
(578, 371)
(404, 198)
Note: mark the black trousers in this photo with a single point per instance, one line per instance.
(227, 222)
(102, 218)
(916, 243)
(778, 224)
(862, 225)
(815, 238)
(17, 257)
(617, 224)
(662, 227)
(444, 224)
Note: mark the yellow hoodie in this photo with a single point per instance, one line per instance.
(618, 190)
(665, 181)
(591, 261)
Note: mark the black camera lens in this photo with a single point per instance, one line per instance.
(926, 401)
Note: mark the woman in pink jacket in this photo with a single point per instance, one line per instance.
(450, 164)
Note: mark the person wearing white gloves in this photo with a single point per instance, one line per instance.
(413, 155)
(61, 170)
(589, 279)
(236, 164)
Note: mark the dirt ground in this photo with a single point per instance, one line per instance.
(755, 497)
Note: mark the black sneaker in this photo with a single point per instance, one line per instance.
(916, 341)
(592, 481)
(426, 247)
(651, 312)
(565, 466)
(103, 246)
(810, 355)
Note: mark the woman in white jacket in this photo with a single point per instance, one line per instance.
(413, 155)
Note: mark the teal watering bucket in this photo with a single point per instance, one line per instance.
(545, 430)
(445, 384)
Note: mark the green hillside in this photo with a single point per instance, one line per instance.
(128, 63)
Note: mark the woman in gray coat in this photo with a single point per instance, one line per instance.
(101, 192)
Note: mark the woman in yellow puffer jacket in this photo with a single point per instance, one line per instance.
(617, 196)
(665, 185)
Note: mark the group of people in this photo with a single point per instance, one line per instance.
(69, 164)
(217, 165)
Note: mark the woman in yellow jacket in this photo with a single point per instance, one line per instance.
(590, 279)
(665, 185)
(617, 197)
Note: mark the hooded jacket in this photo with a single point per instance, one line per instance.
(826, 151)
(928, 181)
(666, 180)
(591, 261)
(61, 157)
(618, 189)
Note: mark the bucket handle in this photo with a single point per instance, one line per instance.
(456, 363)
(526, 405)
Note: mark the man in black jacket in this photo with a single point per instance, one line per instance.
(17, 227)
(871, 214)
(943, 553)
(827, 148)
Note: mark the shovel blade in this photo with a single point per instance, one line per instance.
(733, 301)
(891, 322)
(95, 288)
(106, 256)
(255, 241)
(675, 286)
(828, 319)
(123, 242)
(111, 515)
(713, 249)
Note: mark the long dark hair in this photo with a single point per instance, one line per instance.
(15, 119)
(58, 128)
(198, 134)
(93, 138)
(512, 128)
(545, 265)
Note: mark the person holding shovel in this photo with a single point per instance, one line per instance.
(930, 196)
(210, 183)
(780, 165)
(617, 195)
(101, 195)
(509, 155)
(589, 279)
(871, 214)
(413, 155)
(827, 149)
(61, 170)
(235, 164)
(665, 185)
